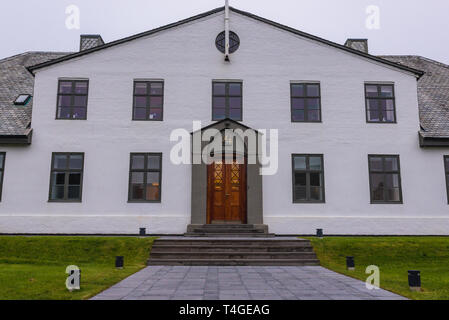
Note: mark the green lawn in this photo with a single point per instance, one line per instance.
(34, 267)
(394, 256)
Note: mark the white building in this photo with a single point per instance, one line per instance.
(350, 157)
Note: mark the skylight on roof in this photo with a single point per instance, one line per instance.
(22, 99)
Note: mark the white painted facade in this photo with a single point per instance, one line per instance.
(186, 59)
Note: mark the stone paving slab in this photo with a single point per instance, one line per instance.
(241, 283)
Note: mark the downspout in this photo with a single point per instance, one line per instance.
(227, 30)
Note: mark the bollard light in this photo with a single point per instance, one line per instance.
(119, 262)
(142, 231)
(414, 280)
(350, 264)
(319, 233)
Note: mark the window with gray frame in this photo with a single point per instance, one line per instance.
(380, 103)
(145, 177)
(2, 170)
(385, 179)
(66, 178)
(446, 170)
(72, 99)
(226, 100)
(305, 102)
(308, 178)
(148, 100)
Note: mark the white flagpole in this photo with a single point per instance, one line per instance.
(226, 30)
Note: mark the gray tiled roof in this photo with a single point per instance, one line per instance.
(15, 79)
(433, 94)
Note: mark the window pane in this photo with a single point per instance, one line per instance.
(298, 115)
(377, 186)
(137, 192)
(1, 160)
(315, 179)
(155, 114)
(315, 163)
(80, 101)
(64, 113)
(298, 103)
(392, 181)
(313, 104)
(235, 89)
(313, 90)
(65, 87)
(140, 102)
(75, 179)
(140, 88)
(81, 87)
(376, 164)
(371, 91)
(235, 114)
(153, 162)
(313, 115)
(316, 193)
(391, 164)
(298, 90)
(138, 162)
(79, 113)
(219, 102)
(64, 101)
(219, 113)
(76, 161)
(74, 192)
(58, 178)
(300, 179)
(386, 91)
(60, 161)
(152, 192)
(156, 102)
(235, 103)
(156, 88)
(219, 89)
(447, 163)
(140, 113)
(57, 193)
(300, 193)
(300, 163)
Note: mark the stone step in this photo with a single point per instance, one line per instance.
(234, 262)
(228, 235)
(232, 255)
(227, 230)
(256, 242)
(234, 248)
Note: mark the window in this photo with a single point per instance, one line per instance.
(66, 179)
(308, 178)
(385, 179)
(148, 100)
(380, 104)
(22, 100)
(226, 101)
(145, 177)
(2, 170)
(305, 102)
(446, 170)
(72, 99)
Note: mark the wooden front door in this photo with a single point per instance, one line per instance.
(226, 193)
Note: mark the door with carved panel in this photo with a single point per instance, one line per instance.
(226, 193)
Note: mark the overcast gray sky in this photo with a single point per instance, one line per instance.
(406, 26)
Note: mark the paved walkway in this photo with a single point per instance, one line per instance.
(241, 283)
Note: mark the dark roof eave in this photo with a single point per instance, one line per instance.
(208, 13)
(425, 142)
(17, 139)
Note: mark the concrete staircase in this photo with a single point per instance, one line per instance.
(215, 251)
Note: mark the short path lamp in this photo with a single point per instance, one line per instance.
(414, 280)
(319, 233)
(119, 262)
(350, 264)
(142, 231)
